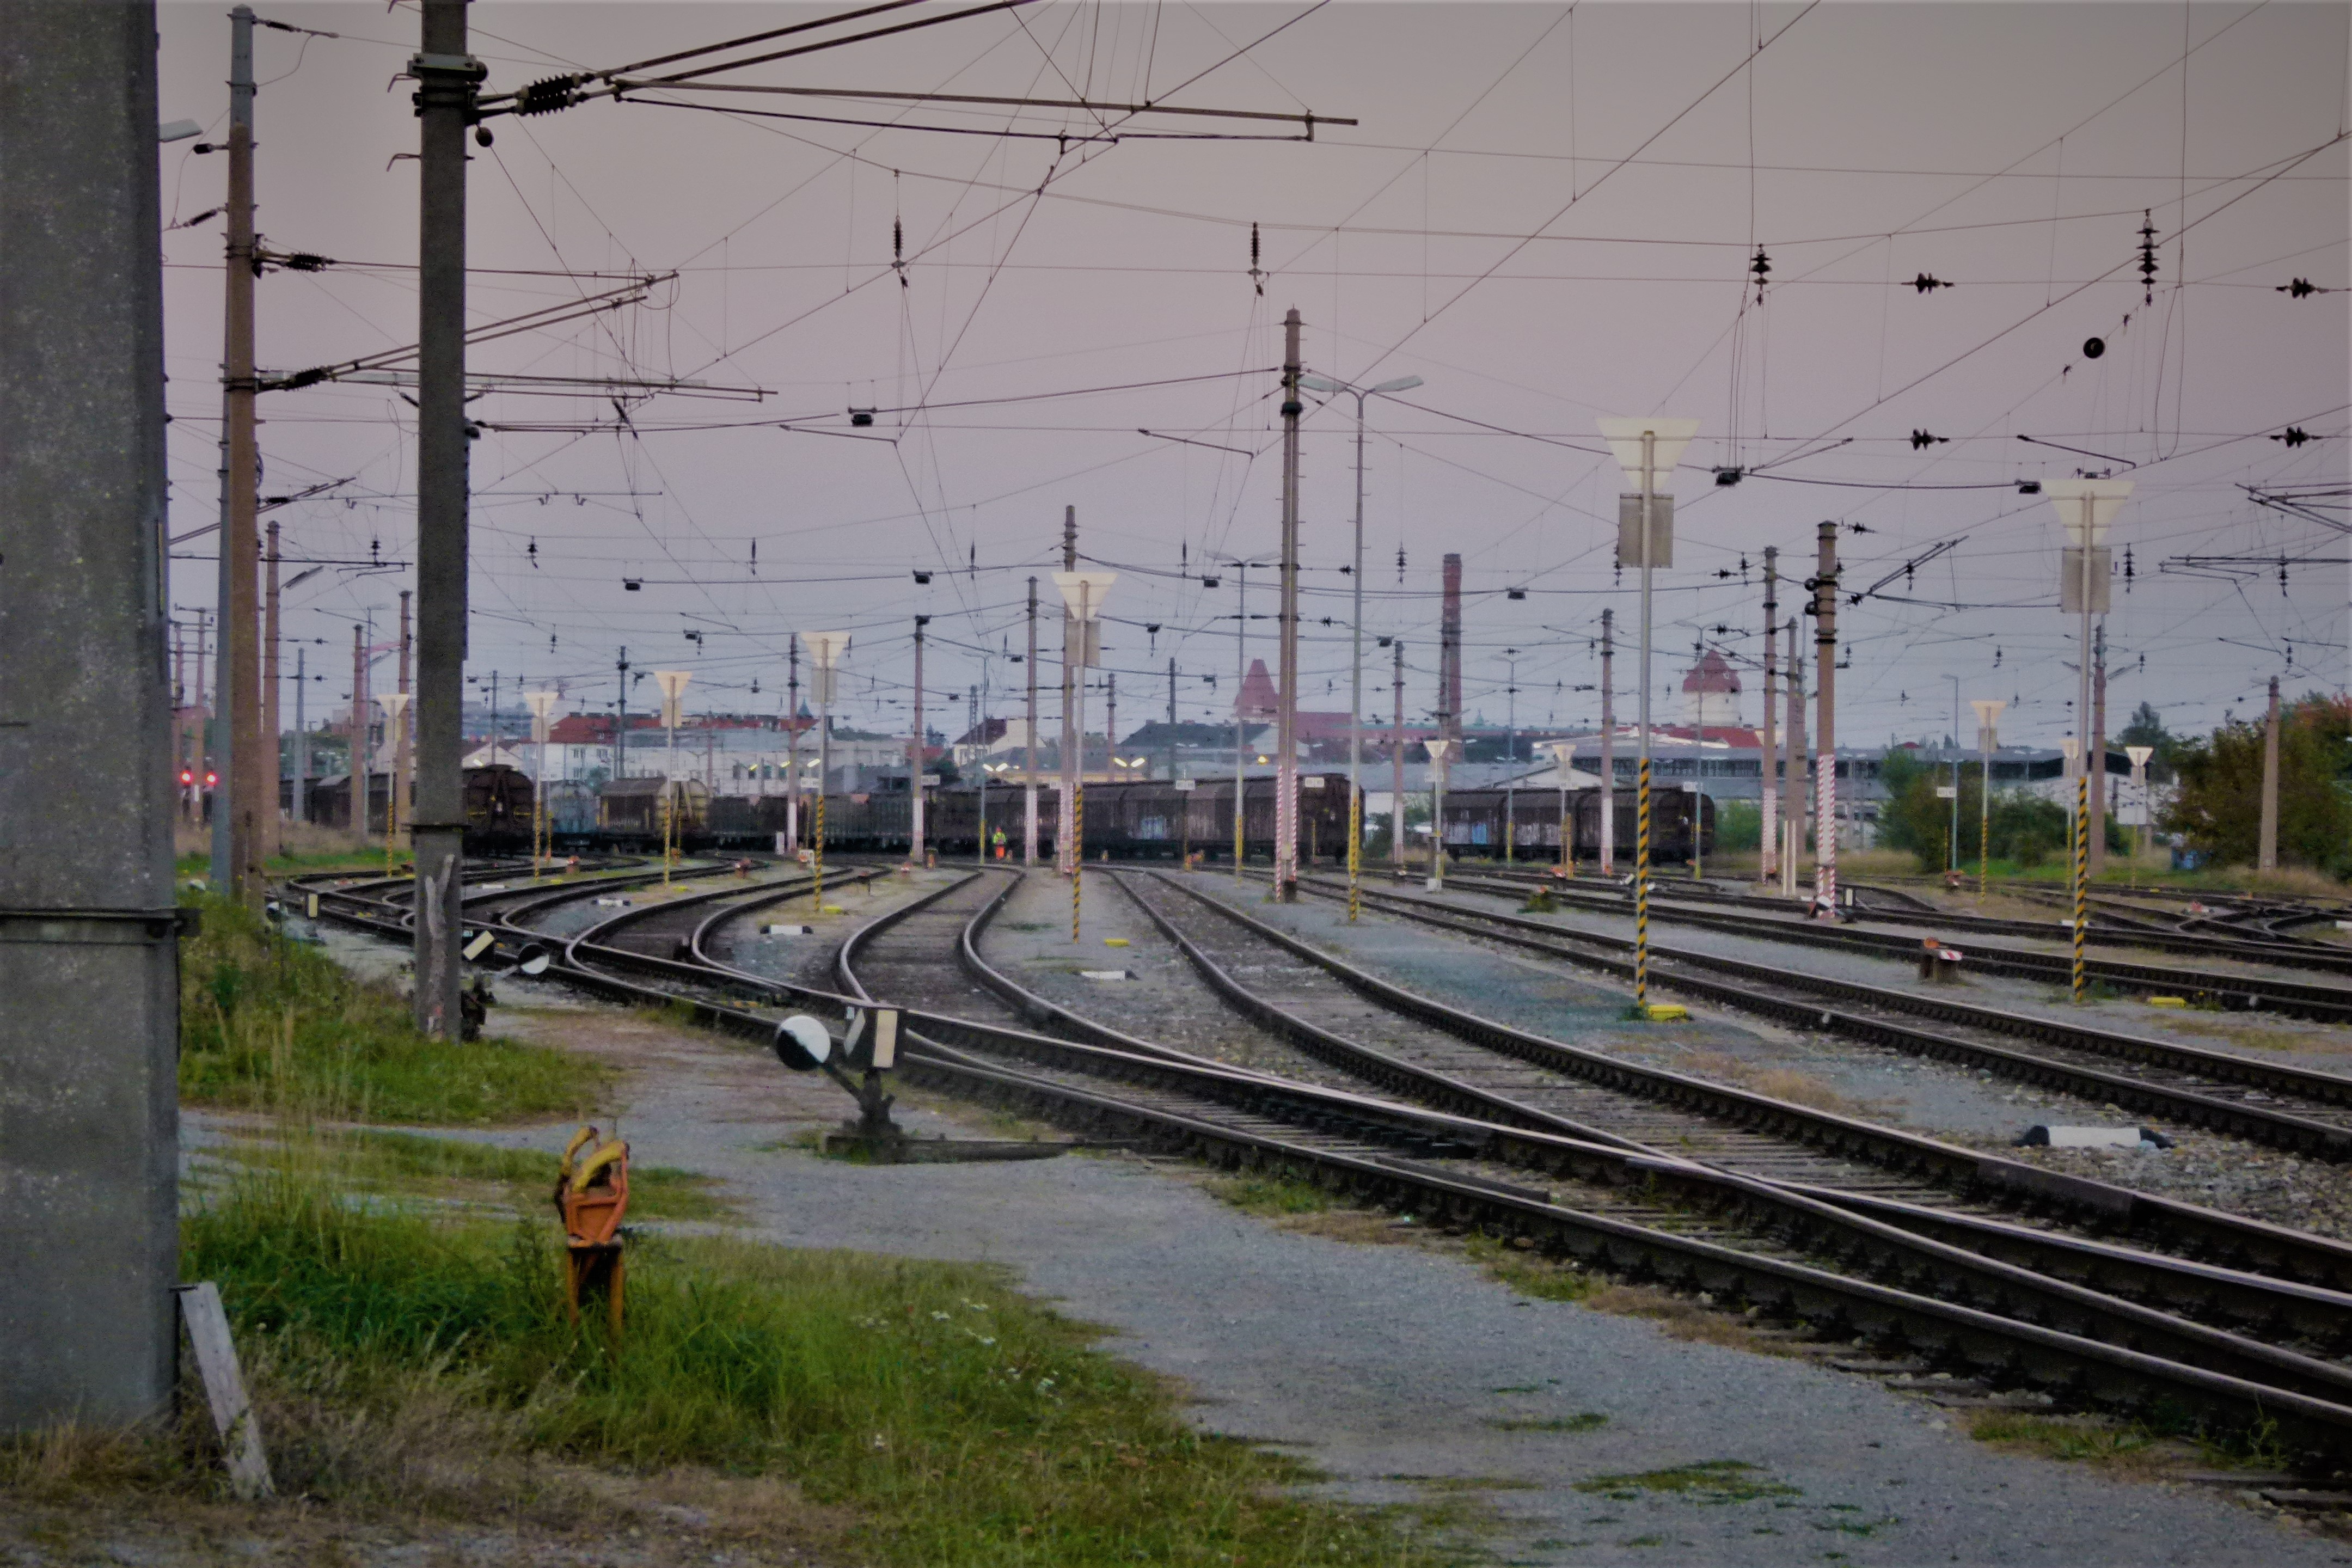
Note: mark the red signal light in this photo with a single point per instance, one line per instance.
(211, 778)
(187, 777)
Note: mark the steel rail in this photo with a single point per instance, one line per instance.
(1694, 973)
(2250, 1244)
(2110, 925)
(2314, 1312)
(2107, 1371)
(1953, 1271)
(2298, 999)
(2318, 1004)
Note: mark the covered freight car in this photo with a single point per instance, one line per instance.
(497, 810)
(1150, 820)
(1477, 822)
(632, 813)
(571, 807)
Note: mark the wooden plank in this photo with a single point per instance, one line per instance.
(233, 1415)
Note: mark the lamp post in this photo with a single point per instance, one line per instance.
(2139, 756)
(1083, 593)
(980, 852)
(1438, 749)
(541, 705)
(1355, 630)
(1645, 449)
(825, 649)
(1510, 754)
(1697, 819)
(1987, 741)
(395, 710)
(2086, 508)
(673, 689)
(1564, 754)
(1241, 676)
(1952, 861)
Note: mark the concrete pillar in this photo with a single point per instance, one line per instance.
(89, 965)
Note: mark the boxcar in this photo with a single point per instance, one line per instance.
(1476, 822)
(734, 822)
(497, 810)
(1148, 820)
(571, 807)
(629, 812)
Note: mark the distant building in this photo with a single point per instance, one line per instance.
(1711, 693)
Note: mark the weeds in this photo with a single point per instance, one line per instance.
(395, 1353)
(269, 1024)
(520, 1179)
(1582, 1421)
(1272, 1196)
(1709, 1481)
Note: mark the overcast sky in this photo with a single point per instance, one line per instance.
(1549, 212)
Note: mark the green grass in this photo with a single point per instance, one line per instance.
(1531, 1273)
(408, 1162)
(958, 1421)
(1582, 1421)
(265, 1023)
(1709, 1481)
(1272, 1196)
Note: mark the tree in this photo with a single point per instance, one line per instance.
(2146, 729)
(2218, 804)
(2025, 829)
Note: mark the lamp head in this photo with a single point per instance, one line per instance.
(1669, 436)
(2100, 498)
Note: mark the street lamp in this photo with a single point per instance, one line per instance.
(1241, 678)
(1952, 859)
(1987, 741)
(1083, 593)
(2139, 756)
(2086, 508)
(673, 690)
(1438, 749)
(980, 851)
(825, 649)
(1564, 754)
(1356, 628)
(1510, 754)
(395, 710)
(1645, 449)
(543, 706)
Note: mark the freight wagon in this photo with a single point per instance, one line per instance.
(1476, 821)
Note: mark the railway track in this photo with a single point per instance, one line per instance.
(1678, 1202)
(2109, 926)
(1836, 1274)
(2294, 999)
(1413, 1045)
(2291, 1107)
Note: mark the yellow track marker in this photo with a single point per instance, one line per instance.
(1667, 1012)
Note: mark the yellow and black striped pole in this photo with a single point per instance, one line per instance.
(816, 859)
(1077, 848)
(1642, 891)
(2081, 870)
(1355, 848)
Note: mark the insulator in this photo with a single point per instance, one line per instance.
(546, 97)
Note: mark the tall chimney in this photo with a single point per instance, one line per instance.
(1449, 652)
